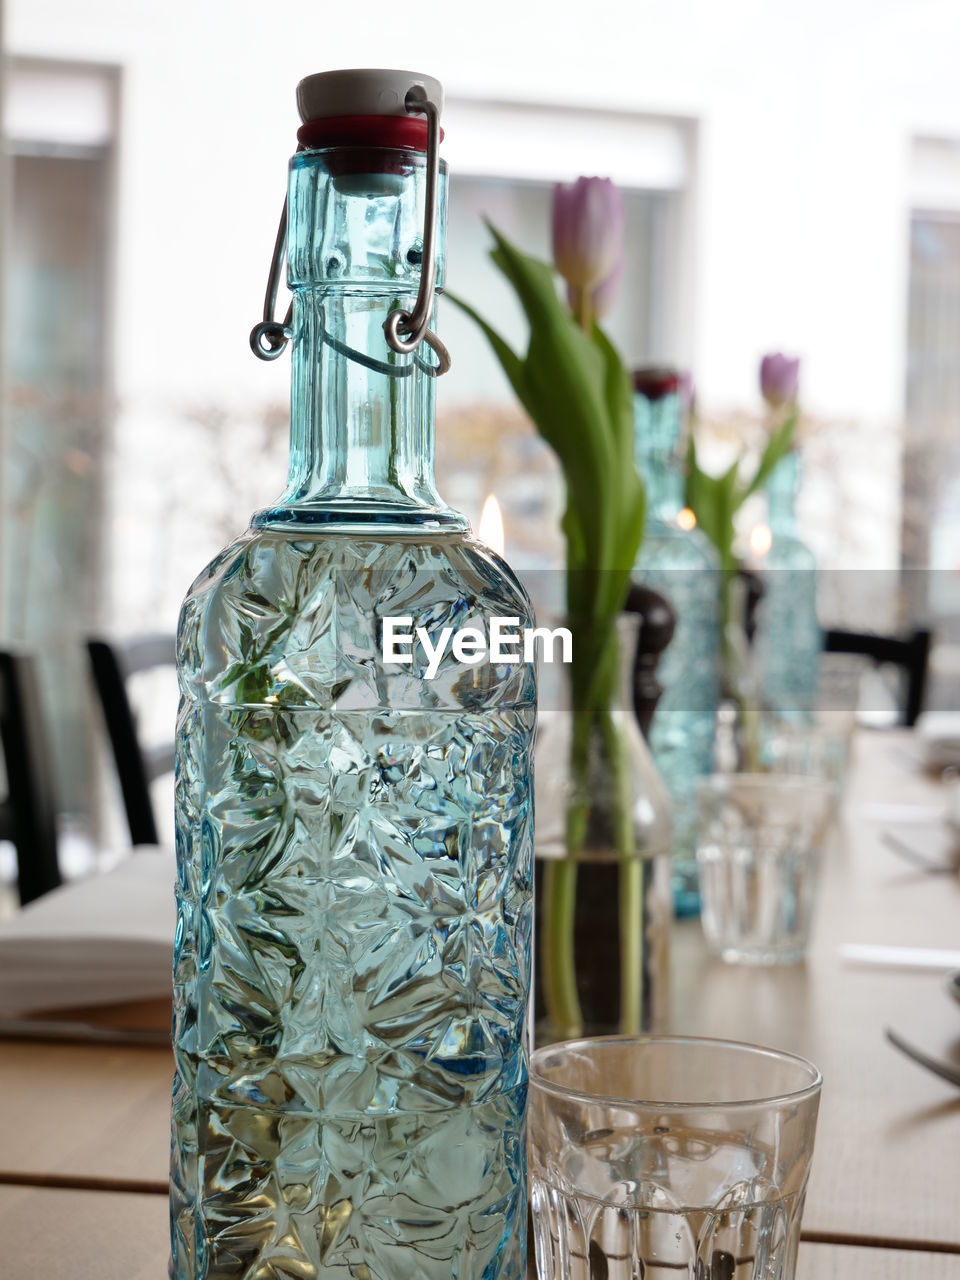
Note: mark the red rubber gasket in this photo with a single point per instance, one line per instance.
(408, 133)
(656, 383)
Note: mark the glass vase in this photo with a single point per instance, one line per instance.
(603, 845)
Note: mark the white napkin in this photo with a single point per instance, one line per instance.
(104, 940)
(931, 959)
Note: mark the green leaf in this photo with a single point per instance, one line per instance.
(778, 446)
(713, 500)
(510, 362)
(628, 491)
(618, 394)
(576, 390)
(566, 382)
(563, 408)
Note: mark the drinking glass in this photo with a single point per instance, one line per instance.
(813, 751)
(668, 1157)
(759, 846)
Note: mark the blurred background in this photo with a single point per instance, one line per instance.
(792, 181)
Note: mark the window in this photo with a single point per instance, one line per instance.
(504, 160)
(931, 521)
(60, 130)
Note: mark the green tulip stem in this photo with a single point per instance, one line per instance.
(631, 946)
(557, 952)
(557, 958)
(631, 876)
(584, 310)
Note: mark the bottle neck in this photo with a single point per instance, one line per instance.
(657, 430)
(782, 496)
(664, 489)
(362, 416)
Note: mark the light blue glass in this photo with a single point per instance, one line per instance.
(354, 841)
(788, 640)
(682, 565)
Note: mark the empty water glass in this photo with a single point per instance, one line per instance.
(759, 844)
(813, 751)
(666, 1157)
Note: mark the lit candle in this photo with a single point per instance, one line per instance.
(686, 519)
(761, 539)
(490, 529)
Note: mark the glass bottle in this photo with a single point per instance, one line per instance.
(788, 639)
(679, 561)
(354, 839)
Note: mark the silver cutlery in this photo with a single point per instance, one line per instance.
(916, 858)
(945, 1070)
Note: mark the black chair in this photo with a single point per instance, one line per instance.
(28, 815)
(911, 653)
(137, 765)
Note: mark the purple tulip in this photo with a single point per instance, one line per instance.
(779, 379)
(602, 295)
(588, 220)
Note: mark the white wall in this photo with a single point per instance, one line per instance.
(805, 114)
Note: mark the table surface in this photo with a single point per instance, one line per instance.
(887, 1165)
(96, 1235)
(887, 1159)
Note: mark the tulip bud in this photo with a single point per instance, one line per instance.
(779, 379)
(588, 219)
(602, 295)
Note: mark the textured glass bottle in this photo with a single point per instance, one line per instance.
(354, 841)
(682, 565)
(788, 640)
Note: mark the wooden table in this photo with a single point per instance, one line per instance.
(885, 1191)
(85, 1116)
(887, 1162)
(96, 1235)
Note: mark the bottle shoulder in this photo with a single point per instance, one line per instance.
(294, 564)
(787, 551)
(295, 617)
(666, 546)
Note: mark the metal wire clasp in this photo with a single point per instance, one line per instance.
(270, 336)
(414, 325)
(403, 330)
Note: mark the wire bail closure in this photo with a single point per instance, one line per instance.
(269, 337)
(403, 330)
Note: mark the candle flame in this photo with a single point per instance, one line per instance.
(686, 519)
(761, 539)
(490, 529)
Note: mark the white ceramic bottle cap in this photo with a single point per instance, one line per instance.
(360, 92)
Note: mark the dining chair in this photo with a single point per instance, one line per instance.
(28, 814)
(137, 765)
(911, 653)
